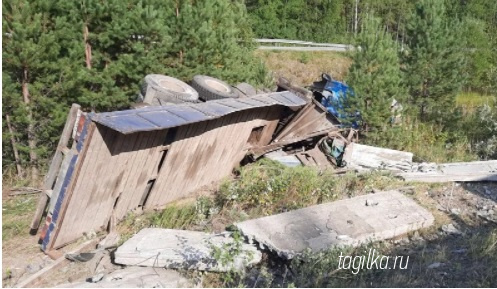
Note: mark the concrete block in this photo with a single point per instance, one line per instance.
(360, 156)
(284, 158)
(180, 249)
(354, 221)
(456, 172)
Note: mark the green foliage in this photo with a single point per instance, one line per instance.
(481, 129)
(480, 61)
(319, 21)
(480, 32)
(435, 59)
(375, 77)
(321, 269)
(213, 37)
(267, 187)
(227, 256)
(430, 142)
(174, 217)
(271, 188)
(95, 53)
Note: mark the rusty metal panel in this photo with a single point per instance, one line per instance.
(163, 117)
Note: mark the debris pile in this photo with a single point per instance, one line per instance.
(145, 158)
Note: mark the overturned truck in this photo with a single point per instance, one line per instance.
(148, 157)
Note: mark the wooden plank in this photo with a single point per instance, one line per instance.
(96, 213)
(132, 174)
(77, 201)
(167, 168)
(231, 144)
(190, 176)
(214, 161)
(58, 185)
(54, 167)
(246, 149)
(170, 190)
(36, 280)
(237, 142)
(124, 160)
(219, 161)
(115, 169)
(56, 220)
(150, 160)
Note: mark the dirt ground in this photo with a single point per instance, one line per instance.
(460, 210)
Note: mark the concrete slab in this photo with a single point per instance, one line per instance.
(456, 172)
(283, 158)
(363, 157)
(137, 277)
(351, 222)
(180, 249)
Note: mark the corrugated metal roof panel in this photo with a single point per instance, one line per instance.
(163, 117)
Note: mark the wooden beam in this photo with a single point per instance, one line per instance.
(37, 278)
(54, 168)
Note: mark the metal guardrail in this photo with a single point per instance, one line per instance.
(302, 45)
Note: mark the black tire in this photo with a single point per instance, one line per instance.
(210, 88)
(157, 89)
(246, 90)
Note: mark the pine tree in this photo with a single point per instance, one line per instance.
(213, 37)
(96, 53)
(435, 61)
(374, 76)
(115, 43)
(30, 53)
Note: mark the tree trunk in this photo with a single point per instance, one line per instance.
(31, 134)
(13, 141)
(355, 18)
(86, 33)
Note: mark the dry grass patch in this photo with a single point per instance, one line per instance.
(302, 68)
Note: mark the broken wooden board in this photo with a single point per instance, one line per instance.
(311, 120)
(314, 158)
(37, 278)
(456, 172)
(180, 249)
(365, 157)
(137, 277)
(350, 222)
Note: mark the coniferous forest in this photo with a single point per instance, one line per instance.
(423, 53)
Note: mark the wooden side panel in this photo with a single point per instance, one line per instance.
(113, 169)
(204, 153)
(117, 168)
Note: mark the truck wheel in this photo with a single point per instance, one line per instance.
(246, 90)
(158, 89)
(210, 88)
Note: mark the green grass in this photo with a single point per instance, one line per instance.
(16, 215)
(267, 187)
(471, 100)
(429, 142)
